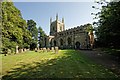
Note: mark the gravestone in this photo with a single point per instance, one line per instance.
(20, 50)
(16, 50)
(35, 49)
(24, 49)
(52, 48)
(56, 50)
(28, 49)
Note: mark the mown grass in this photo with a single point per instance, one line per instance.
(65, 64)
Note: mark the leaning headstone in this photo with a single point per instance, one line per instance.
(44, 49)
(16, 49)
(52, 48)
(56, 50)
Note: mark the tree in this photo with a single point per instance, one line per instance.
(89, 28)
(14, 27)
(41, 35)
(34, 32)
(27, 37)
(108, 24)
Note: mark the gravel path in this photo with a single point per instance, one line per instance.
(108, 61)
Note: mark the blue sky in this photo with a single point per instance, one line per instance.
(54, 0)
(74, 13)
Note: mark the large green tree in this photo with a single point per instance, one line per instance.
(31, 24)
(109, 24)
(41, 36)
(14, 27)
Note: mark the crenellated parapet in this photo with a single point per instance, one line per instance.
(71, 31)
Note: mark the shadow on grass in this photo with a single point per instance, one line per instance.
(49, 68)
(62, 67)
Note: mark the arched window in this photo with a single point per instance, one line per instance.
(77, 44)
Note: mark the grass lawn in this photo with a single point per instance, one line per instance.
(65, 64)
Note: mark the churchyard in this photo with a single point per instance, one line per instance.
(89, 51)
(47, 64)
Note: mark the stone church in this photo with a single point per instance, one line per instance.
(74, 38)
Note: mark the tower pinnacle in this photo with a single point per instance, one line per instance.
(62, 20)
(57, 16)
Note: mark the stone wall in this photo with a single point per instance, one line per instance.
(70, 38)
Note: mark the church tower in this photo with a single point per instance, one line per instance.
(56, 26)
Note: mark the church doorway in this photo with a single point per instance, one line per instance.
(77, 45)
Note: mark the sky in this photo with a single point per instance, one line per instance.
(54, 0)
(74, 13)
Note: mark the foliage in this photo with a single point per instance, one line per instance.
(14, 27)
(108, 34)
(31, 25)
(89, 28)
(33, 29)
(41, 35)
(33, 44)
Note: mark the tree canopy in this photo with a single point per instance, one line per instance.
(14, 28)
(108, 33)
(31, 25)
(41, 35)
